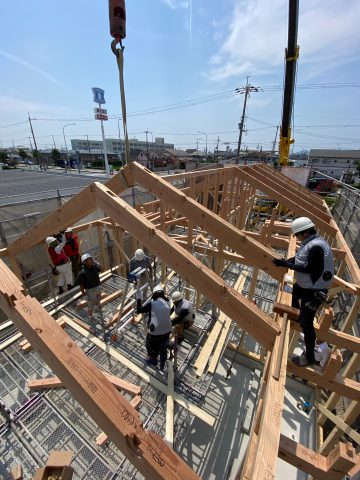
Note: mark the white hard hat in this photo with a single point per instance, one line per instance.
(158, 288)
(69, 230)
(301, 224)
(50, 240)
(85, 257)
(176, 296)
(139, 254)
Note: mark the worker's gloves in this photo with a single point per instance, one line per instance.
(280, 262)
(138, 295)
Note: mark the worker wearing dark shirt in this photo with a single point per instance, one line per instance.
(314, 272)
(89, 281)
(158, 323)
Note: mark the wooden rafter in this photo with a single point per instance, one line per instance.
(114, 415)
(252, 319)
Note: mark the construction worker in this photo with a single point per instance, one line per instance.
(184, 314)
(89, 281)
(72, 250)
(61, 262)
(158, 323)
(140, 260)
(314, 272)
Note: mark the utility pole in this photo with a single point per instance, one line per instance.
(247, 90)
(274, 144)
(33, 136)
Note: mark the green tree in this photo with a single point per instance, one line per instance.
(55, 155)
(23, 153)
(3, 156)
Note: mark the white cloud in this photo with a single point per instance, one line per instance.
(176, 3)
(328, 33)
(29, 65)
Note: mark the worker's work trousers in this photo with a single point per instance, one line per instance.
(304, 299)
(181, 326)
(65, 276)
(75, 265)
(157, 344)
(93, 298)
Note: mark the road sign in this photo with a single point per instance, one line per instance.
(99, 95)
(101, 111)
(101, 116)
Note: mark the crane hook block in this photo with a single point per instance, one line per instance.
(117, 19)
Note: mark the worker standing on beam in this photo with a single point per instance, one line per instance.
(314, 272)
(184, 315)
(158, 323)
(61, 262)
(89, 281)
(72, 250)
(140, 260)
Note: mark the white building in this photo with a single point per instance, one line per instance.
(114, 145)
(334, 163)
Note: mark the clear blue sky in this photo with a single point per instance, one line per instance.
(52, 52)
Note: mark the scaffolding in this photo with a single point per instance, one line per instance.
(208, 240)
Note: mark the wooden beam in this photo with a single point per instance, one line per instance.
(344, 386)
(144, 449)
(103, 438)
(340, 423)
(261, 326)
(335, 337)
(272, 406)
(334, 467)
(257, 253)
(296, 205)
(350, 415)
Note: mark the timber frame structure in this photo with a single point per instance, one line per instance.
(216, 209)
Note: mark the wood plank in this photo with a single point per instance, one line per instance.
(198, 412)
(220, 346)
(169, 426)
(114, 415)
(110, 298)
(261, 326)
(55, 382)
(203, 358)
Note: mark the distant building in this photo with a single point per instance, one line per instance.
(114, 146)
(334, 163)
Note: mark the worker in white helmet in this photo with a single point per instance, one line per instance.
(60, 261)
(158, 323)
(72, 250)
(184, 314)
(140, 260)
(314, 273)
(89, 281)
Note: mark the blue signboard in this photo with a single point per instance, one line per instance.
(99, 95)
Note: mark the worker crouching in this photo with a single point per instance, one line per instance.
(89, 281)
(60, 261)
(158, 323)
(184, 315)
